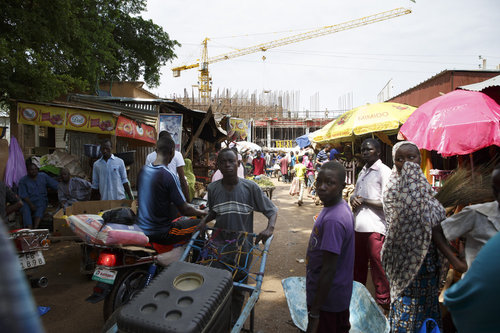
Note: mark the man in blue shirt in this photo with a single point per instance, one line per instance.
(157, 188)
(33, 192)
(109, 176)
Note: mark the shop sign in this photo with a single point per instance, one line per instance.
(172, 123)
(128, 128)
(71, 119)
(32, 114)
(238, 129)
(284, 143)
(89, 121)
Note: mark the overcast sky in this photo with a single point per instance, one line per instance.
(437, 35)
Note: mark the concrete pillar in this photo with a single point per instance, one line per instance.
(268, 134)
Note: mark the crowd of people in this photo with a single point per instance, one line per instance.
(391, 225)
(396, 228)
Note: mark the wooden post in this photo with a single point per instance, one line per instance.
(471, 158)
(198, 132)
(113, 143)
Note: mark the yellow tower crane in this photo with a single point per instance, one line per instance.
(204, 76)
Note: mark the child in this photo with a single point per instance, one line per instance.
(310, 174)
(330, 256)
(298, 184)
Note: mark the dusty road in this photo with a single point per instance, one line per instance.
(68, 289)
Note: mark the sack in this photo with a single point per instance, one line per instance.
(295, 186)
(91, 229)
(120, 215)
(423, 329)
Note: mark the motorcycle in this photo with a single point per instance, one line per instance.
(30, 244)
(122, 271)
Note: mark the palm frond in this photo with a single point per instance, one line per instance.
(463, 188)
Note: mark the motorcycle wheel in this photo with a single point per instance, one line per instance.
(128, 284)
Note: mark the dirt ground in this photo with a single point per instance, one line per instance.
(68, 288)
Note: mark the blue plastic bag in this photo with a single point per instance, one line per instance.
(43, 310)
(423, 329)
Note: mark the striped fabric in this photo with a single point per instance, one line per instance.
(233, 207)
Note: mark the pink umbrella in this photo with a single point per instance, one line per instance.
(458, 123)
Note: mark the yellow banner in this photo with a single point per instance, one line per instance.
(71, 119)
(41, 115)
(88, 121)
(284, 143)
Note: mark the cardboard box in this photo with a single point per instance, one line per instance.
(61, 228)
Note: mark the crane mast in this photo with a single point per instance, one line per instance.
(204, 75)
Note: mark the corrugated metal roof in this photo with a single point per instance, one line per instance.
(139, 109)
(493, 82)
(443, 72)
(146, 110)
(69, 105)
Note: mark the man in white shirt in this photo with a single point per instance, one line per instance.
(370, 227)
(176, 165)
(109, 177)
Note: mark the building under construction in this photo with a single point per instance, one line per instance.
(274, 116)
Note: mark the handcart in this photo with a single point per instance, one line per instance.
(238, 254)
(268, 190)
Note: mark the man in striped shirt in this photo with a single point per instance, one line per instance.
(322, 157)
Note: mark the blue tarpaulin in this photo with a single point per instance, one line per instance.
(365, 315)
(303, 141)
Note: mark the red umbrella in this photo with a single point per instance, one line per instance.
(458, 123)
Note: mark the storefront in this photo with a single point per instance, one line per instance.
(42, 128)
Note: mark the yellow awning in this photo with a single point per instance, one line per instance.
(365, 119)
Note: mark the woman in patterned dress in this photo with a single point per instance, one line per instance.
(411, 262)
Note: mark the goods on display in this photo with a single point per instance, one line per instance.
(91, 230)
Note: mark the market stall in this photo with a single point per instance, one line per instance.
(196, 134)
(44, 128)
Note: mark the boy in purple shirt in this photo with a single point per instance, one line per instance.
(330, 256)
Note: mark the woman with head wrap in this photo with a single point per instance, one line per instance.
(411, 262)
(190, 177)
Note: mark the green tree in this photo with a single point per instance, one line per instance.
(51, 47)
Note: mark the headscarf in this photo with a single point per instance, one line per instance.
(190, 177)
(410, 211)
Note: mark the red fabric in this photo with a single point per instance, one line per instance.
(160, 248)
(258, 166)
(284, 166)
(367, 248)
